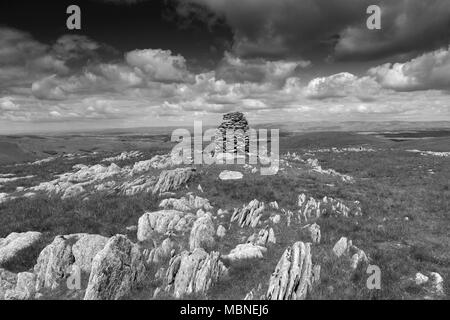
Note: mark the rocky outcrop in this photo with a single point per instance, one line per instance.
(162, 222)
(313, 232)
(245, 251)
(433, 284)
(157, 162)
(172, 179)
(293, 277)
(202, 233)
(86, 248)
(160, 253)
(312, 208)
(25, 288)
(8, 282)
(263, 237)
(194, 272)
(249, 215)
(17, 246)
(345, 247)
(186, 204)
(116, 270)
(55, 263)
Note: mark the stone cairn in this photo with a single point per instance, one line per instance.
(236, 124)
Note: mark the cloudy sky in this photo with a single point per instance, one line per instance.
(141, 63)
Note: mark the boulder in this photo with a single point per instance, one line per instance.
(202, 233)
(249, 215)
(263, 237)
(8, 282)
(314, 232)
(17, 246)
(86, 248)
(221, 231)
(160, 253)
(162, 222)
(186, 204)
(172, 179)
(116, 270)
(230, 175)
(54, 262)
(245, 251)
(293, 277)
(194, 272)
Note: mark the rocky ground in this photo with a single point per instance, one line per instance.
(138, 225)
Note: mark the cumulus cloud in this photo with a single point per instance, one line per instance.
(428, 71)
(159, 65)
(235, 69)
(342, 85)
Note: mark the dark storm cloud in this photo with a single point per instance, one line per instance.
(310, 27)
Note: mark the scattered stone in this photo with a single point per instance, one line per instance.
(25, 288)
(17, 246)
(131, 228)
(313, 209)
(275, 219)
(345, 247)
(249, 215)
(273, 205)
(221, 231)
(194, 272)
(116, 270)
(293, 278)
(421, 279)
(230, 175)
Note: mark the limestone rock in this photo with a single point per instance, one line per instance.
(312, 208)
(194, 272)
(245, 251)
(249, 215)
(314, 232)
(25, 288)
(17, 246)
(172, 179)
(8, 282)
(186, 204)
(161, 222)
(342, 246)
(202, 233)
(161, 253)
(345, 247)
(116, 270)
(54, 262)
(221, 231)
(86, 248)
(293, 277)
(230, 175)
(263, 237)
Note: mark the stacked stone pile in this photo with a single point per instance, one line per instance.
(238, 125)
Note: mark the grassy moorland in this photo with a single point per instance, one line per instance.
(405, 199)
